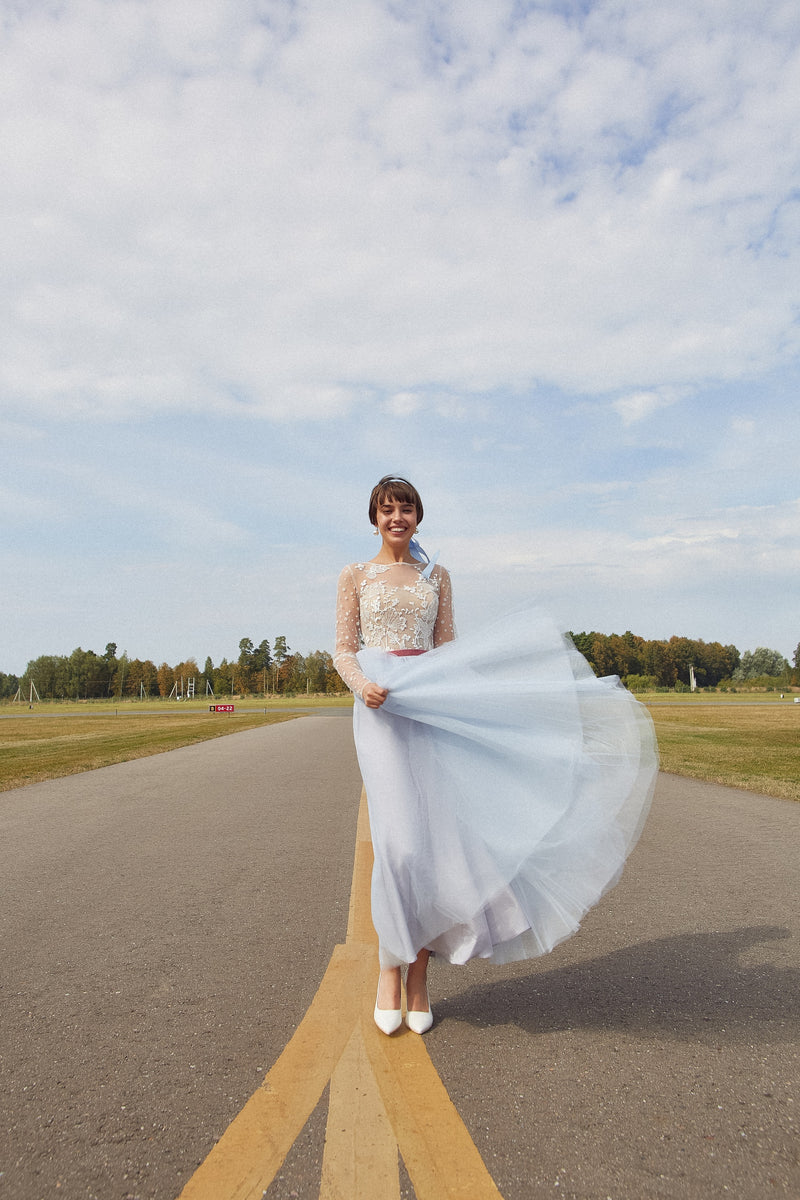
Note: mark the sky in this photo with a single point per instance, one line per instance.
(543, 259)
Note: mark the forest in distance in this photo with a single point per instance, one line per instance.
(274, 669)
(266, 669)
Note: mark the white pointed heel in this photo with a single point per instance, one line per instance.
(420, 1022)
(388, 1020)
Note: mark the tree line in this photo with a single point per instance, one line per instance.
(677, 663)
(274, 669)
(257, 670)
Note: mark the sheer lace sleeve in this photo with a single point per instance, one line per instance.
(348, 633)
(444, 630)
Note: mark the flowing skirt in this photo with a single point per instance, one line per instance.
(506, 786)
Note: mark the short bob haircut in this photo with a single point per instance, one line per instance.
(393, 487)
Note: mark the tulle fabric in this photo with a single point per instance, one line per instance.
(506, 786)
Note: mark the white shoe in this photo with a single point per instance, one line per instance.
(388, 1020)
(420, 1022)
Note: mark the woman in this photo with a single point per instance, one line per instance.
(506, 784)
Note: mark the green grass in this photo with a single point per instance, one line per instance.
(703, 698)
(722, 739)
(35, 748)
(755, 747)
(175, 707)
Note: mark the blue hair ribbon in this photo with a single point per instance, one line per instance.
(420, 555)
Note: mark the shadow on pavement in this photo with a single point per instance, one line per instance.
(690, 987)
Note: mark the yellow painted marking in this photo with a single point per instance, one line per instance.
(248, 1155)
(359, 922)
(439, 1155)
(385, 1093)
(360, 1147)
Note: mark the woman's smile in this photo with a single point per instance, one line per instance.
(397, 522)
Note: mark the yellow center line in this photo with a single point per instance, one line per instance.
(385, 1096)
(360, 1147)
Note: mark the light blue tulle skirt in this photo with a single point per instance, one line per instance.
(506, 786)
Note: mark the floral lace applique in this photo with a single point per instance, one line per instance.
(390, 606)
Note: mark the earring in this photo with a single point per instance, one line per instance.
(375, 532)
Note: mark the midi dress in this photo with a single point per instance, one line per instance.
(506, 784)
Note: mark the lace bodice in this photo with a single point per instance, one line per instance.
(390, 606)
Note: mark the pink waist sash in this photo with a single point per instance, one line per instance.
(406, 653)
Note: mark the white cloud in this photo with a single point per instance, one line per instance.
(403, 404)
(734, 542)
(297, 209)
(543, 262)
(636, 406)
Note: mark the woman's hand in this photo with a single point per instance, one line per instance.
(373, 696)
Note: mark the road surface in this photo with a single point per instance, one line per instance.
(166, 924)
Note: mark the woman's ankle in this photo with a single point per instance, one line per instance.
(417, 983)
(389, 993)
(419, 968)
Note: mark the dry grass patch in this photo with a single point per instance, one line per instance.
(33, 749)
(756, 748)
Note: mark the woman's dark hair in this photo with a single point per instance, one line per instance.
(393, 487)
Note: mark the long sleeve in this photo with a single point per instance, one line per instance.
(348, 633)
(444, 630)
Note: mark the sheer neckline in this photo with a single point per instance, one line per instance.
(416, 565)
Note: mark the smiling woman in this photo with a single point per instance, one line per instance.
(506, 784)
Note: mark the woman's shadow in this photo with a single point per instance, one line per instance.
(686, 987)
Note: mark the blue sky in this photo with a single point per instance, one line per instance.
(542, 259)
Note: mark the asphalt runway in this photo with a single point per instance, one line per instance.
(166, 924)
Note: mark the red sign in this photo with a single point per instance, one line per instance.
(220, 708)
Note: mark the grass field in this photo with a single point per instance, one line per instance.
(750, 741)
(34, 748)
(175, 708)
(755, 746)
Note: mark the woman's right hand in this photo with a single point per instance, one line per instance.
(373, 696)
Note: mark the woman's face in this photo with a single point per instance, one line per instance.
(397, 521)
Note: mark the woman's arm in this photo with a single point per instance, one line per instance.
(444, 630)
(348, 642)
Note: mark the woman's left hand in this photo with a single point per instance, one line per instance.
(373, 696)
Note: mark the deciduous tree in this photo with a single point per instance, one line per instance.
(118, 678)
(657, 661)
(141, 677)
(8, 685)
(761, 661)
(166, 679)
